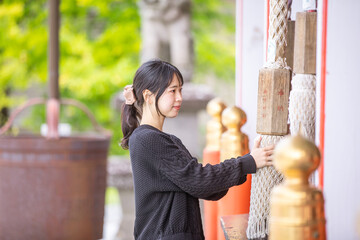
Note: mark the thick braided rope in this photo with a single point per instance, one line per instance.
(261, 185)
(277, 29)
(302, 105)
(266, 178)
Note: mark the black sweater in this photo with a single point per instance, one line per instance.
(168, 182)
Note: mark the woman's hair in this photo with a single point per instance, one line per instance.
(154, 75)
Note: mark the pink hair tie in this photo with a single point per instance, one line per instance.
(129, 95)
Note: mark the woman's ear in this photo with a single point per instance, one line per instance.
(147, 95)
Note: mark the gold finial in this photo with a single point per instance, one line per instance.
(296, 157)
(215, 107)
(233, 142)
(233, 118)
(214, 127)
(296, 208)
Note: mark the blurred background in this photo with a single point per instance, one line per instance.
(100, 45)
(100, 50)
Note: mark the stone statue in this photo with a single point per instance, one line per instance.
(166, 33)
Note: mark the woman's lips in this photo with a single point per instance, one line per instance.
(177, 107)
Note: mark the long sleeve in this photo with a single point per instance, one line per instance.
(216, 196)
(203, 181)
(177, 165)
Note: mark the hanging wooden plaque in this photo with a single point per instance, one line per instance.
(273, 101)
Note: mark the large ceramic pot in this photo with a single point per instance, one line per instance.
(52, 189)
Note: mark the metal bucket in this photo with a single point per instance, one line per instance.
(52, 189)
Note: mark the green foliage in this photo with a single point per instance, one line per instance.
(111, 196)
(99, 49)
(213, 29)
(23, 43)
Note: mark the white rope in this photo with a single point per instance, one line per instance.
(280, 63)
(277, 30)
(302, 105)
(261, 185)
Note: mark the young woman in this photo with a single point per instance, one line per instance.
(168, 181)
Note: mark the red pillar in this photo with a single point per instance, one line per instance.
(211, 226)
(236, 201)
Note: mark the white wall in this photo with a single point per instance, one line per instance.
(342, 122)
(252, 61)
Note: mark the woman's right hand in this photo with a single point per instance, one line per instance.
(263, 156)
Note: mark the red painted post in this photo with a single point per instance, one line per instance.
(211, 155)
(211, 207)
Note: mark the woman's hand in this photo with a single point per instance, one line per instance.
(262, 156)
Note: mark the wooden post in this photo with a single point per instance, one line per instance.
(289, 50)
(53, 104)
(53, 49)
(273, 97)
(305, 43)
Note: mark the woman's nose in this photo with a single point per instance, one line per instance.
(179, 97)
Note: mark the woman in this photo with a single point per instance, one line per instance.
(168, 181)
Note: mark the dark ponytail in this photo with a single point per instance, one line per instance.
(154, 75)
(130, 119)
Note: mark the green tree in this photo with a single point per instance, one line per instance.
(99, 47)
(214, 33)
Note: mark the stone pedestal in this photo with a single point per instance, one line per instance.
(120, 176)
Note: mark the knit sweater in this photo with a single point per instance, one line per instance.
(168, 182)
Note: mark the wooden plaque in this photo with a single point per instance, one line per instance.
(273, 101)
(305, 43)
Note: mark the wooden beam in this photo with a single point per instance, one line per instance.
(305, 43)
(289, 50)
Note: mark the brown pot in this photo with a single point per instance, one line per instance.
(52, 189)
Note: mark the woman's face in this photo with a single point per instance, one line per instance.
(170, 101)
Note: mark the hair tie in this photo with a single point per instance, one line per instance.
(129, 95)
